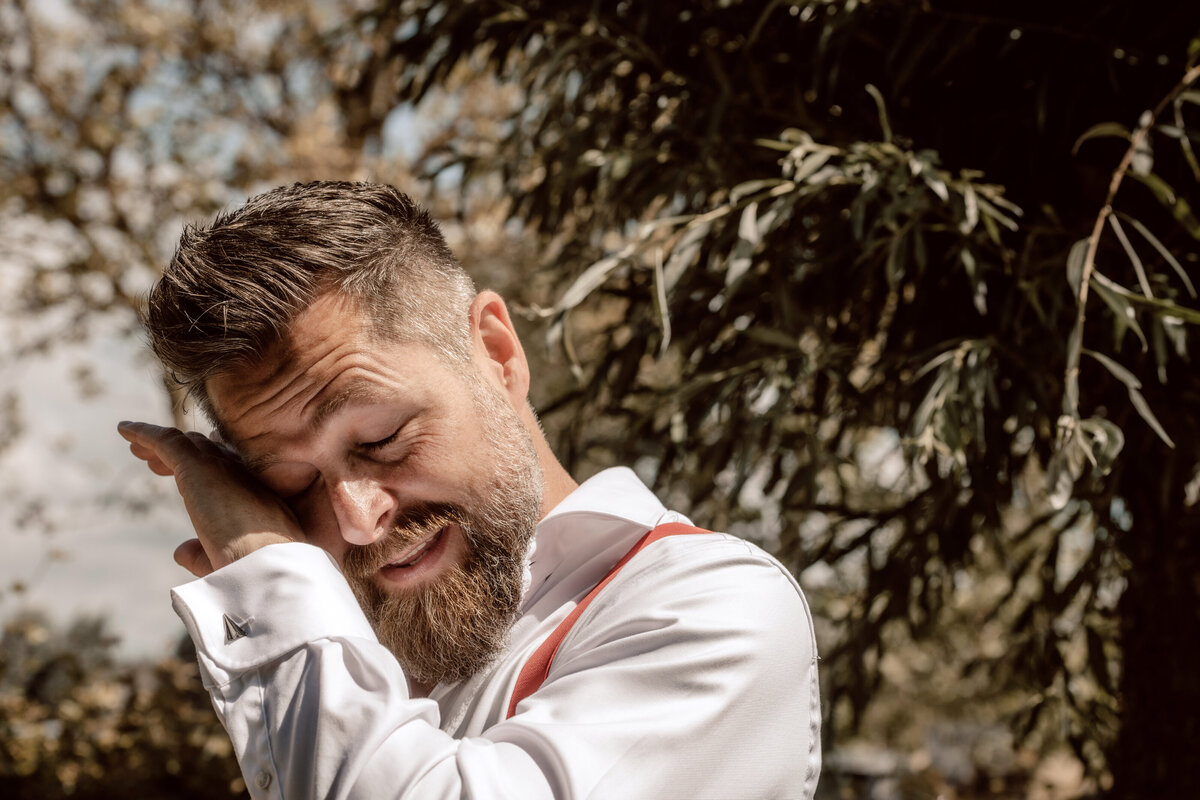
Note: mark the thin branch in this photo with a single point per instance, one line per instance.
(1075, 350)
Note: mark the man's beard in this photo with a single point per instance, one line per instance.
(453, 626)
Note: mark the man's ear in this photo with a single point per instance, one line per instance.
(497, 349)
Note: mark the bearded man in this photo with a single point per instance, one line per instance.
(401, 592)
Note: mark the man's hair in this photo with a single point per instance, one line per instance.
(233, 288)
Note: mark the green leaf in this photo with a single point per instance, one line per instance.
(1178, 336)
(811, 163)
(994, 196)
(1167, 195)
(990, 211)
(934, 363)
(685, 250)
(591, 279)
(748, 225)
(1171, 131)
(774, 145)
(883, 117)
(1143, 408)
(742, 255)
(1105, 442)
(970, 210)
(660, 304)
(1132, 385)
(1124, 317)
(1119, 372)
(1162, 251)
(1143, 281)
(747, 188)
(1102, 129)
(1164, 307)
(936, 184)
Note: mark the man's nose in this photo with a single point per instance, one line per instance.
(363, 509)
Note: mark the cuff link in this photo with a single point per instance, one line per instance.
(236, 630)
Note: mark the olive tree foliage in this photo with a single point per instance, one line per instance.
(76, 725)
(831, 271)
(118, 123)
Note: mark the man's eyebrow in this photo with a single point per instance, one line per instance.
(328, 407)
(257, 464)
(331, 405)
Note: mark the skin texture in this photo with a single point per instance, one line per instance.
(334, 443)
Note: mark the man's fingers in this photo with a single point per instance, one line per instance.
(232, 513)
(164, 448)
(191, 556)
(151, 458)
(149, 442)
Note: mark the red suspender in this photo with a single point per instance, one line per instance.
(537, 668)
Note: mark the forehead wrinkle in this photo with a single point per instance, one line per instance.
(354, 393)
(292, 391)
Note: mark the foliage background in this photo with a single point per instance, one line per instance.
(903, 290)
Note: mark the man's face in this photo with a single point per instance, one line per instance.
(416, 475)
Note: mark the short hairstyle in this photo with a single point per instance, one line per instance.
(233, 288)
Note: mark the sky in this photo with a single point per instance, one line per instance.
(113, 562)
(88, 553)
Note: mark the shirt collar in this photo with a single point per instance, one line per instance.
(615, 493)
(594, 524)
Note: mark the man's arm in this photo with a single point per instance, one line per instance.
(314, 705)
(233, 514)
(692, 676)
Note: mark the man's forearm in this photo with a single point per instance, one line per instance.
(695, 677)
(314, 705)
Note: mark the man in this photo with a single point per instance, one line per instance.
(398, 583)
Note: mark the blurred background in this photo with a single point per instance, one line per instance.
(902, 290)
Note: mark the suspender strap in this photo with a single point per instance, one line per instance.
(537, 668)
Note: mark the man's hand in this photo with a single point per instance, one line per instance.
(232, 512)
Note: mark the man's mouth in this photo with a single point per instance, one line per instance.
(415, 554)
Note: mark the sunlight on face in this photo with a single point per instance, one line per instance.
(450, 628)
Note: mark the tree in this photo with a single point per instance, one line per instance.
(118, 126)
(76, 726)
(906, 288)
(783, 232)
(118, 123)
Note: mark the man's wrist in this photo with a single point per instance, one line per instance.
(245, 545)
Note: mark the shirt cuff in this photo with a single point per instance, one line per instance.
(266, 605)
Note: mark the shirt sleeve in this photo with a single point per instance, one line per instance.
(314, 705)
(692, 675)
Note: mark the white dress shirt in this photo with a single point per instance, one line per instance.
(692, 675)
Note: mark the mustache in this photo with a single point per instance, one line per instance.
(410, 527)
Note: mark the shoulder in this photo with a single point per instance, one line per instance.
(705, 585)
(709, 563)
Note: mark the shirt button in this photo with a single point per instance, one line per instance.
(262, 780)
